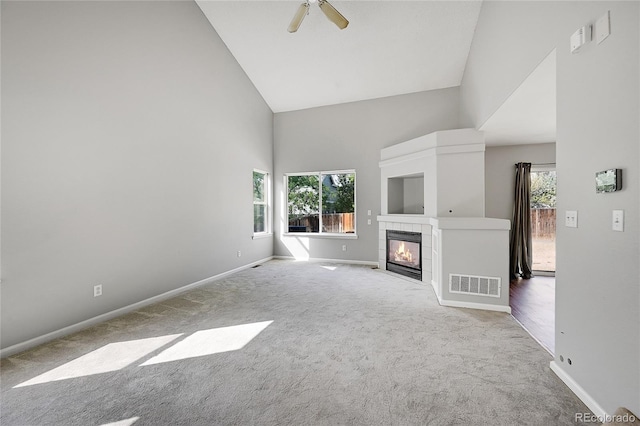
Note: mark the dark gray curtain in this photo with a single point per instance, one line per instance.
(520, 261)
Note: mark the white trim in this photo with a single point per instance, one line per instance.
(344, 236)
(431, 152)
(407, 157)
(320, 174)
(473, 305)
(578, 390)
(442, 138)
(543, 167)
(405, 218)
(324, 172)
(267, 203)
(319, 260)
(260, 235)
(434, 284)
(20, 347)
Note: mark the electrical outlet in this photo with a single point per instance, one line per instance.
(239, 253)
(97, 290)
(368, 221)
(344, 247)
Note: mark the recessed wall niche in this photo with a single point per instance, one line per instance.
(406, 194)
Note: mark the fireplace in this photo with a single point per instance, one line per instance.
(404, 253)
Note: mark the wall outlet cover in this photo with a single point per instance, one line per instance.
(571, 218)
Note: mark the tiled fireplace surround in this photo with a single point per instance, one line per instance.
(407, 226)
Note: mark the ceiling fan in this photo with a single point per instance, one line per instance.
(331, 13)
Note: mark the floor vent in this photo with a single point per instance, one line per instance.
(473, 284)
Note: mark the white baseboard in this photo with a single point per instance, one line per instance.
(578, 390)
(435, 289)
(20, 347)
(319, 259)
(472, 305)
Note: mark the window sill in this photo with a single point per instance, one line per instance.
(316, 235)
(262, 235)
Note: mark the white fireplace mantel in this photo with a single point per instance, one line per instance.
(438, 175)
(434, 185)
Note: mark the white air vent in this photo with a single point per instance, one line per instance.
(473, 284)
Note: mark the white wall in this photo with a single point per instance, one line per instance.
(413, 191)
(350, 136)
(500, 173)
(598, 291)
(129, 136)
(511, 39)
(461, 185)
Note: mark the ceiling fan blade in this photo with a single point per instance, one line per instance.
(302, 11)
(333, 15)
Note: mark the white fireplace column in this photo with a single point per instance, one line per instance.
(434, 184)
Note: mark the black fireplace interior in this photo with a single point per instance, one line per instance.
(404, 253)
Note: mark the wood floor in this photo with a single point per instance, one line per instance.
(533, 305)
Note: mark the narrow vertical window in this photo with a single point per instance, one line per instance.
(260, 202)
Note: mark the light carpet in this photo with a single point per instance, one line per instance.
(292, 343)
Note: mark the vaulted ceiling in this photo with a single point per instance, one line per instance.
(390, 47)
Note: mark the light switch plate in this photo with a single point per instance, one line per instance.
(617, 218)
(571, 218)
(603, 27)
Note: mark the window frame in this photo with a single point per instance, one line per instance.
(320, 233)
(266, 203)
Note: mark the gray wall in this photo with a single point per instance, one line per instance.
(128, 142)
(350, 136)
(507, 46)
(499, 174)
(597, 292)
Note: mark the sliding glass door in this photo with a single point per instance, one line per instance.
(543, 219)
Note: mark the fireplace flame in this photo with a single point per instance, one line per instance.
(403, 255)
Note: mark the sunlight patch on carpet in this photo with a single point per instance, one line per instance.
(125, 422)
(208, 342)
(111, 357)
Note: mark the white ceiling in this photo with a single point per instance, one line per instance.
(389, 48)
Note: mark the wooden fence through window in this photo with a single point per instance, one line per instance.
(338, 223)
(543, 223)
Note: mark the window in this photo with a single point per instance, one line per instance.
(260, 202)
(543, 218)
(322, 202)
